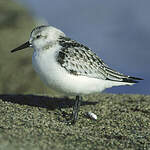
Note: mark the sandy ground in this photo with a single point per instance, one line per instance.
(32, 121)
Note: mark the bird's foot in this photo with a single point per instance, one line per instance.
(73, 118)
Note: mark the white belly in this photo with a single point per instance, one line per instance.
(57, 78)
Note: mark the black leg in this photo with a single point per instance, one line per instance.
(74, 116)
(76, 109)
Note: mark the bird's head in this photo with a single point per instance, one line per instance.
(41, 37)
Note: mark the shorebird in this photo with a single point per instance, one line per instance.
(69, 67)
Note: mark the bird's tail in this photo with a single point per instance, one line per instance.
(130, 79)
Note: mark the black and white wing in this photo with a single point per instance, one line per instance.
(78, 59)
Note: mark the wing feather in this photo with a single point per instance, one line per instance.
(78, 59)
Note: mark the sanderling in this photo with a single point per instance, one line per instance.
(69, 67)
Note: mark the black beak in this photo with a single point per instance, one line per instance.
(23, 46)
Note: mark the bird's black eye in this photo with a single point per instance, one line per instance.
(38, 36)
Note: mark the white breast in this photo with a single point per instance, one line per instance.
(57, 78)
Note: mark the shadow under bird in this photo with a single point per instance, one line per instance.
(69, 67)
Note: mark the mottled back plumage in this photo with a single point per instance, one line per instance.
(78, 59)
